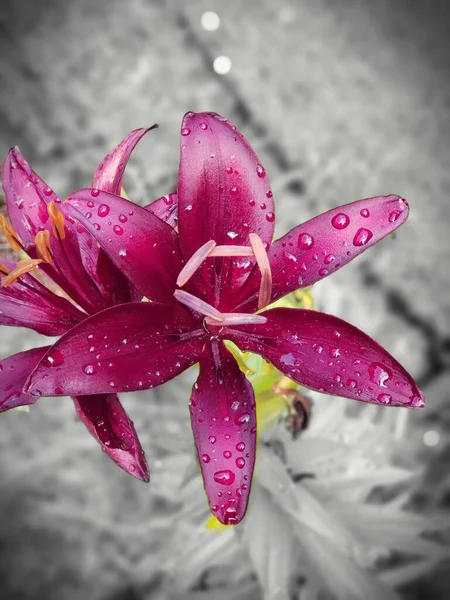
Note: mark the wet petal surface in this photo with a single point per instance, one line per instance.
(107, 421)
(329, 355)
(223, 420)
(128, 347)
(143, 247)
(14, 371)
(166, 209)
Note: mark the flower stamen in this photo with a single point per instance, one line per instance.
(262, 260)
(239, 319)
(43, 248)
(231, 251)
(198, 305)
(56, 220)
(22, 267)
(194, 262)
(11, 236)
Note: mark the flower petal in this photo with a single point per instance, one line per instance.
(142, 246)
(14, 371)
(27, 303)
(107, 421)
(27, 197)
(166, 209)
(127, 347)
(327, 354)
(108, 177)
(326, 243)
(223, 418)
(223, 191)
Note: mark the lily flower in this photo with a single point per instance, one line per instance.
(212, 280)
(74, 279)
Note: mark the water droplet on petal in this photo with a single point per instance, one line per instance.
(225, 477)
(351, 383)
(118, 229)
(329, 259)
(53, 359)
(270, 217)
(379, 374)
(89, 369)
(305, 241)
(365, 212)
(95, 192)
(260, 170)
(393, 216)
(229, 170)
(206, 458)
(212, 439)
(48, 191)
(227, 454)
(232, 234)
(185, 131)
(340, 221)
(240, 462)
(323, 272)
(103, 209)
(240, 447)
(123, 218)
(241, 419)
(122, 252)
(204, 126)
(362, 237)
(385, 398)
(230, 516)
(234, 190)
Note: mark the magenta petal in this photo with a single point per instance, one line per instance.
(223, 418)
(128, 347)
(223, 191)
(14, 371)
(142, 246)
(107, 421)
(327, 354)
(27, 197)
(108, 176)
(166, 209)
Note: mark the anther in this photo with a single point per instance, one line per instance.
(22, 267)
(198, 305)
(194, 262)
(57, 221)
(43, 248)
(231, 251)
(239, 319)
(3, 270)
(262, 260)
(11, 236)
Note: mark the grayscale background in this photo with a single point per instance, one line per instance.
(342, 100)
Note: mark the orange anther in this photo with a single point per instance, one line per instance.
(262, 260)
(22, 267)
(57, 220)
(3, 270)
(43, 247)
(11, 236)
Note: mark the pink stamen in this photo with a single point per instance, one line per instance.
(198, 305)
(231, 251)
(262, 260)
(238, 319)
(194, 262)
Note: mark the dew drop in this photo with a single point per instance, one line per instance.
(270, 217)
(227, 454)
(365, 212)
(229, 170)
(234, 190)
(123, 218)
(204, 126)
(103, 209)
(241, 419)
(232, 234)
(206, 458)
(225, 477)
(379, 374)
(240, 462)
(340, 221)
(323, 272)
(212, 439)
(54, 359)
(393, 216)
(89, 369)
(95, 192)
(260, 171)
(122, 252)
(385, 398)
(329, 259)
(351, 383)
(305, 241)
(362, 237)
(335, 352)
(230, 516)
(337, 378)
(318, 349)
(269, 194)
(90, 204)
(48, 191)
(240, 447)
(185, 131)
(118, 229)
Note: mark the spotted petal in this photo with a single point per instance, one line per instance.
(142, 246)
(324, 244)
(223, 419)
(14, 371)
(327, 354)
(109, 424)
(128, 347)
(108, 177)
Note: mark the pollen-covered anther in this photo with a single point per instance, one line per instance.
(231, 251)
(198, 305)
(11, 236)
(238, 319)
(262, 260)
(57, 221)
(22, 267)
(194, 262)
(43, 248)
(3, 269)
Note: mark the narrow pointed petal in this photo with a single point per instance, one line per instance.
(128, 347)
(166, 209)
(27, 196)
(108, 177)
(107, 421)
(329, 355)
(223, 418)
(27, 303)
(321, 246)
(142, 246)
(14, 371)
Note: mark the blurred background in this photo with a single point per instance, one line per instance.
(341, 100)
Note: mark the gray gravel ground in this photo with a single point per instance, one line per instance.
(342, 100)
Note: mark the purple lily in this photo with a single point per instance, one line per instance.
(205, 282)
(69, 259)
